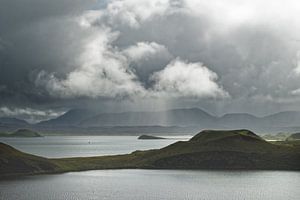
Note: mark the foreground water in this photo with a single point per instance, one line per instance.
(156, 184)
(71, 146)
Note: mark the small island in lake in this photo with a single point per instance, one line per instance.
(21, 133)
(150, 137)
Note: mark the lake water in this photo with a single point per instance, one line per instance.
(71, 146)
(155, 185)
(139, 184)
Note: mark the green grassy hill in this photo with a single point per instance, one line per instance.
(21, 133)
(14, 162)
(236, 149)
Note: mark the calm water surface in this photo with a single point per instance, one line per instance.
(155, 185)
(71, 146)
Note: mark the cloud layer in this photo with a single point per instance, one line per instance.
(219, 55)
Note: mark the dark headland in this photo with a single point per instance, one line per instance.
(214, 150)
(150, 137)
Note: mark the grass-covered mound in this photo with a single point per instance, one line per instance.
(21, 133)
(150, 137)
(236, 149)
(14, 162)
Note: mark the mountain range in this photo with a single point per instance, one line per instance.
(176, 119)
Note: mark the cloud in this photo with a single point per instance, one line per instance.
(102, 72)
(297, 68)
(135, 12)
(145, 50)
(146, 58)
(295, 92)
(183, 79)
(31, 115)
(56, 53)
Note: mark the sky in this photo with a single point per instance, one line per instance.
(132, 55)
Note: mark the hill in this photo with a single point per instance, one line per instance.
(14, 163)
(295, 136)
(21, 133)
(150, 137)
(235, 149)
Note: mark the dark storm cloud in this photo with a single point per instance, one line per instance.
(35, 35)
(66, 53)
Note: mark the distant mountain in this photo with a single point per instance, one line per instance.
(12, 121)
(70, 118)
(192, 117)
(238, 120)
(283, 119)
(11, 124)
(176, 117)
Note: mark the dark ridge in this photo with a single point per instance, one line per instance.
(210, 135)
(150, 137)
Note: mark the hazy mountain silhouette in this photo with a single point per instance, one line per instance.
(175, 117)
(71, 117)
(168, 121)
(12, 121)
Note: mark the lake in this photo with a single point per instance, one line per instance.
(71, 146)
(138, 184)
(154, 185)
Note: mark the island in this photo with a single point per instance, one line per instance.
(150, 137)
(295, 136)
(209, 150)
(21, 133)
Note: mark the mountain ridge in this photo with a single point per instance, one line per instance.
(180, 117)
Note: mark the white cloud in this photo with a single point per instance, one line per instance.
(183, 79)
(102, 72)
(89, 18)
(29, 114)
(134, 12)
(144, 50)
(297, 68)
(295, 92)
